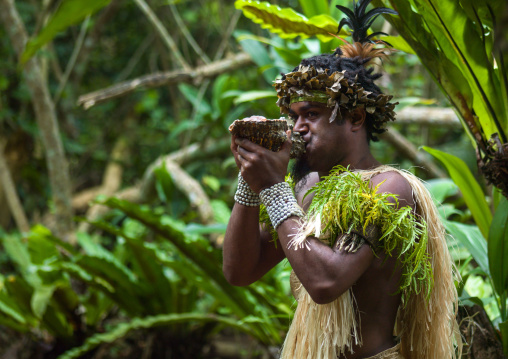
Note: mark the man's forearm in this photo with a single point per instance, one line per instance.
(325, 272)
(247, 251)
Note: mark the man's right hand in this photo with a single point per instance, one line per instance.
(260, 167)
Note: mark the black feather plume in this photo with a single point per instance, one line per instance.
(359, 22)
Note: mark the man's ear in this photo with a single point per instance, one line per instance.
(357, 119)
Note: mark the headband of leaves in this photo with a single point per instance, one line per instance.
(307, 80)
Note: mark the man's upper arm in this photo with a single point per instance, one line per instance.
(393, 182)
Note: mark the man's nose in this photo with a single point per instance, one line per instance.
(301, 125)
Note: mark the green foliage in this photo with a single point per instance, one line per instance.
(471, 190)
(489, 255)
(314, 7)
(122, 329)
(287, 23)
(37, 296)
(454, 40)
(68, 13)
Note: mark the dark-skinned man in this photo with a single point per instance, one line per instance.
(371, 270)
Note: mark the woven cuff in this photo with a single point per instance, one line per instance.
(244, 195)
(280, 203)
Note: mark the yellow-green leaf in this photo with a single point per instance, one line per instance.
(471, 190)
(68, 13)
(287, 23)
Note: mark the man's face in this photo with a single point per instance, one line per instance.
(326, 143)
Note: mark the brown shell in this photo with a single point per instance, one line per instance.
(270, 134)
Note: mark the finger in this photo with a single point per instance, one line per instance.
(245, 154)
(248, 145)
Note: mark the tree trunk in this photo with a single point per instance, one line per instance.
(46, 121)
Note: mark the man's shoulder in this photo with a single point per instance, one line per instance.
(303, 186)
(395, 183)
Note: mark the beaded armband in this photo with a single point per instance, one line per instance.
(244, 195)
(280, 203)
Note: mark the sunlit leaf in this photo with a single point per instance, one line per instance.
(471, 190)
(287, 23)
(68, 13)
(314, 7)
(471, 238)
(399, 43)
(249, 96)
(441, 188)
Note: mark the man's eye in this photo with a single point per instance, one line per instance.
(312, 114)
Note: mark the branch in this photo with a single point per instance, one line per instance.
(186, 33)
(111, 180)
(410, 151)
(193, 152)
(134, 59)
(168, 40)
(9, 190)
(164, 78)
(192, 189)
(73, 58)
(227, 35)
(46, 122)
(429, 116)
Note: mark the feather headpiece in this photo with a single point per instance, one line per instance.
(359, 21)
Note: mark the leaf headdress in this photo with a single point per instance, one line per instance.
(343, 89)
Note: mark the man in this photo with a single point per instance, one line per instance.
(366, 247)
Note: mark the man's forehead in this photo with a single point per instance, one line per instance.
(305, 105)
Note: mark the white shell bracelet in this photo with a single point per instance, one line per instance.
(280, 203)
(244, 195)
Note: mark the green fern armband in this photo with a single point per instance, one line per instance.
(344, 204)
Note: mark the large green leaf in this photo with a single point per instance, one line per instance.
(258, 53)
(471, 190)
(471, 238)
(459, 41)
(314, 7)
(123, 329)
(498, 247)
(144, 261)
(68, 13)
(287, 23)
(441, 188)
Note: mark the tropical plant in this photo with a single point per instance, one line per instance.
(456, 41)
(491, 255)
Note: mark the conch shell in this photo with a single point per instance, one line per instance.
(271, 134)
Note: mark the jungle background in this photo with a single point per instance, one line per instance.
(116, 179)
